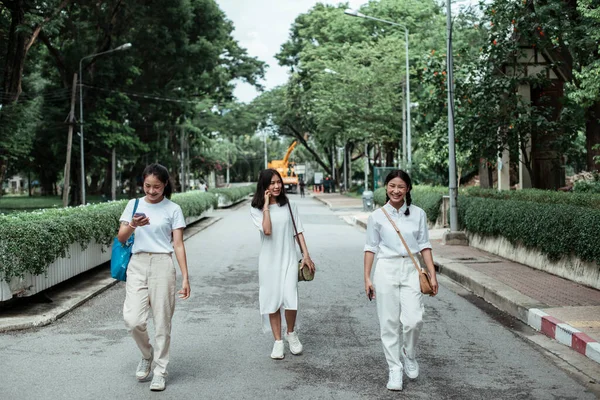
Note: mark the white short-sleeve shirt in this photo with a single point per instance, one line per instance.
(156, 237)
(382, 238)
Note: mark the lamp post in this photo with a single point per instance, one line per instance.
(355, 13)
(122, 47)
(452, 237)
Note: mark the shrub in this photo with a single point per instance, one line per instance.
(29, 242)
(554, 229)
(538, 196)
(429, 198)
(235, 193)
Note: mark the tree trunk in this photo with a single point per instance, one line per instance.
(592, 134)
(15, 55)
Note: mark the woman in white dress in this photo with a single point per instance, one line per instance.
(278, 260)
(396, 280)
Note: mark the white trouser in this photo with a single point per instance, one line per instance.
(399, 301)
(151, 284)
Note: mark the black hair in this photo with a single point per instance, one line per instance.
(264, 181)
(398, 173)
(162, 174)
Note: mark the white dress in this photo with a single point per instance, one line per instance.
(277, 261)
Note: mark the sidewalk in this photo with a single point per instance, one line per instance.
(563, 310)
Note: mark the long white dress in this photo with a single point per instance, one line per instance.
(277, 261)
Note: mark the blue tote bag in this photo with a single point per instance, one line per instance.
(121, 254)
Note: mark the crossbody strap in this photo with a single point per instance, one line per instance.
(135, 207)
(402, 239)
(295, 229)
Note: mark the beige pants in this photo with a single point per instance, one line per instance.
(151, 284)
(399, 302)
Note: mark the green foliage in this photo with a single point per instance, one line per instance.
(29, 242)
(429, 198)
(556, 230)
(235, 193)
(586, 200)
(588, 187)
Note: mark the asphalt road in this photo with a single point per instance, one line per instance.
(219, 351)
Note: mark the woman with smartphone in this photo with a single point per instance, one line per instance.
(278, 261)
(158, 225)
(395, 283)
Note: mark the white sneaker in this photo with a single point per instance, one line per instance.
(143, 369)
(294, 342)
(411, 367)
(159, 383)
(395, 381)
(277, 353)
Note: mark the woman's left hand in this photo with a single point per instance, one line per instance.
(308, 262)
(184, 293)
(434, 284)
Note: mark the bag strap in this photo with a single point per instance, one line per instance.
(402, 239)
(295, 229)
(135, 207)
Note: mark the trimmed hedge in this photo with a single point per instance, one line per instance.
(554, 229)
(235, 193)
(429, 198)
(30, 241)
(589, 200)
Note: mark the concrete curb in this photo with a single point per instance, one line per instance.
(519, 306)
(564, 333)
(328, 204)
(77, 294)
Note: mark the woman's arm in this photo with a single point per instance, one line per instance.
(368, 264)
(306, 260)
(127, 228)
(266, 223)
(179, 248)
(428, 258)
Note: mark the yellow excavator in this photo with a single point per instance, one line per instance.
(286, 170)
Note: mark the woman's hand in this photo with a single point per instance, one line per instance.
(309, 263)
(434, 284)
(184, 293)
(267, 197)
(139, 221)
(369, 289)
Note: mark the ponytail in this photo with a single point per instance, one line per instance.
(408, 200)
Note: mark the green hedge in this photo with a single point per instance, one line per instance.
(30, 241)
(589, 200)
(429, 198)
(235, 193)
(554, 229)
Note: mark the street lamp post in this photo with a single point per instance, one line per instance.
(355, 13)
(122, 47)
(452, 237)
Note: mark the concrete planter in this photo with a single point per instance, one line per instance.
(62, 269)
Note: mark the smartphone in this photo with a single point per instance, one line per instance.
(137, 215)
(370, 294)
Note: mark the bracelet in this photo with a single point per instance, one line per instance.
(267, 210)
(131, 226)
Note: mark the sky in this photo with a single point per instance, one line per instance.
(262, 26)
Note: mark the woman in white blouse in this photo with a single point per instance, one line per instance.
(271, 212)
(396, 280)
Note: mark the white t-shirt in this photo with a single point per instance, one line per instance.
(202, 187)
(165, 217)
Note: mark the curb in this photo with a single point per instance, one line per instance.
(564, 333)
(519, 306)
(328, 204)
